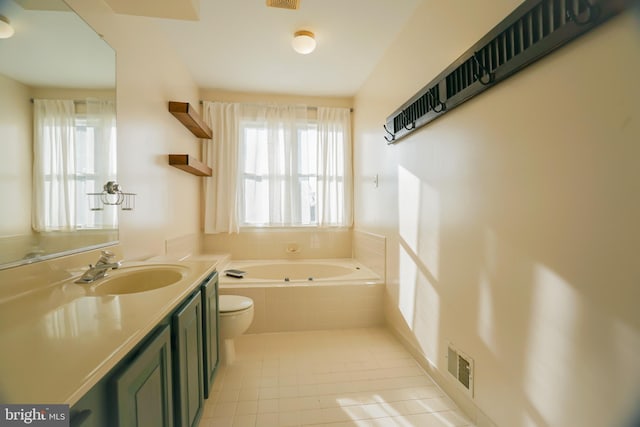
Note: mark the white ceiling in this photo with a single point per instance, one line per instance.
(236, 45)
(242, 45)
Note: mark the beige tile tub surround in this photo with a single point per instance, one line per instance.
(337, 378)
(266, 243)
(57, 341)
(279, 309)
(370, 249)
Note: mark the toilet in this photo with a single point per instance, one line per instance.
(236, 315)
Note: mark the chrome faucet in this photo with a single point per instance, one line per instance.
(99, 270)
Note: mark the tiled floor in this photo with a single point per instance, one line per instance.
(354, 377)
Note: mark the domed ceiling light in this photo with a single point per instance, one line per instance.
(6, 30)
(303, 42)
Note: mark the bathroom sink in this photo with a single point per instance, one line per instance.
(130, 280)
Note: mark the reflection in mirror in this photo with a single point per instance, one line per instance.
(57, 132)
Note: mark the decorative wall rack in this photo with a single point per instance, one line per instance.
(531, 31)
(188, 116)
(112, 195)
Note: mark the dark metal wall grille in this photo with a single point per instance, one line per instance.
(534, 29)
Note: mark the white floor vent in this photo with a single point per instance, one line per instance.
(460, 366)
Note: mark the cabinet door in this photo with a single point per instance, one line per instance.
(144, 387)
(210, 330)
(93, 409)
(187, 359)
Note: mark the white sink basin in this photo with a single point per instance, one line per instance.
(130, 280)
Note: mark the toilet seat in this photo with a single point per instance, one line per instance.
(233, 303)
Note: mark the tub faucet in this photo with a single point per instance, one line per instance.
(99, 270)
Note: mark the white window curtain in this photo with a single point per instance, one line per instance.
(278, 166)
(335, 167)
(53, 156)
(97, 160)
(221, 154)
(74, 153)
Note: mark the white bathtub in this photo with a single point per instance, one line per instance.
(307, 294)
(298, 273)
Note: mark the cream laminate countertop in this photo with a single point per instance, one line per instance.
(58, 341)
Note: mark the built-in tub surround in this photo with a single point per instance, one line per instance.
(353, 298)
(60, 338)
(281, 243)
(371, 250)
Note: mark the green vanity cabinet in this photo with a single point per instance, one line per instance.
(143, 389)
(164, 380)
(210, 320)
(93, 409)
(186, 323)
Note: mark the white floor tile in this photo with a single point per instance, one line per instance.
(336, 378)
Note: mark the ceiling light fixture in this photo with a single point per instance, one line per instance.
(6, 30)
(303, 42)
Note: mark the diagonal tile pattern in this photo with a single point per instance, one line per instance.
(337, 378)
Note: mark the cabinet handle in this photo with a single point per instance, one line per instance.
(79, 418)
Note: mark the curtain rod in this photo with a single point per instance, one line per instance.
(309, 107)
(75, 101)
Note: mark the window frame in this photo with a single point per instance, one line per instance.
(297, 178)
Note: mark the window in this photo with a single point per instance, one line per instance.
(279, 179)
(96, 164)
(74, 154)
(277, 166)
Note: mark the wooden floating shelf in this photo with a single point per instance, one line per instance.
(188, 116)
(189, 164)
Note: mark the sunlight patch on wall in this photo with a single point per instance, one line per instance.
(551, 357)
(486, 310)
(427, 318)
(408, 207)
(486, 321)
(429, 229)
(407, 289)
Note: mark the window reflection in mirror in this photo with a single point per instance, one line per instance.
(46, 167)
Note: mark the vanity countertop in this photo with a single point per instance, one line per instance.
(59, 340)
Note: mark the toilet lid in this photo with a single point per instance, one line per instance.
(230, 303)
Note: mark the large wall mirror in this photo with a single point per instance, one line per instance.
(57, 134)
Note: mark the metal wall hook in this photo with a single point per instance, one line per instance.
(437, 107)
(484, 71)
(592, 9)
(393, 135)
(442, 106)
(406, 121)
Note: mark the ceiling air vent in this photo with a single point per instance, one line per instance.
(284, 4)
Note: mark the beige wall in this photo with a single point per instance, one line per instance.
(516, 237)
(149, 74)
(15, 161)
(251, 97)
